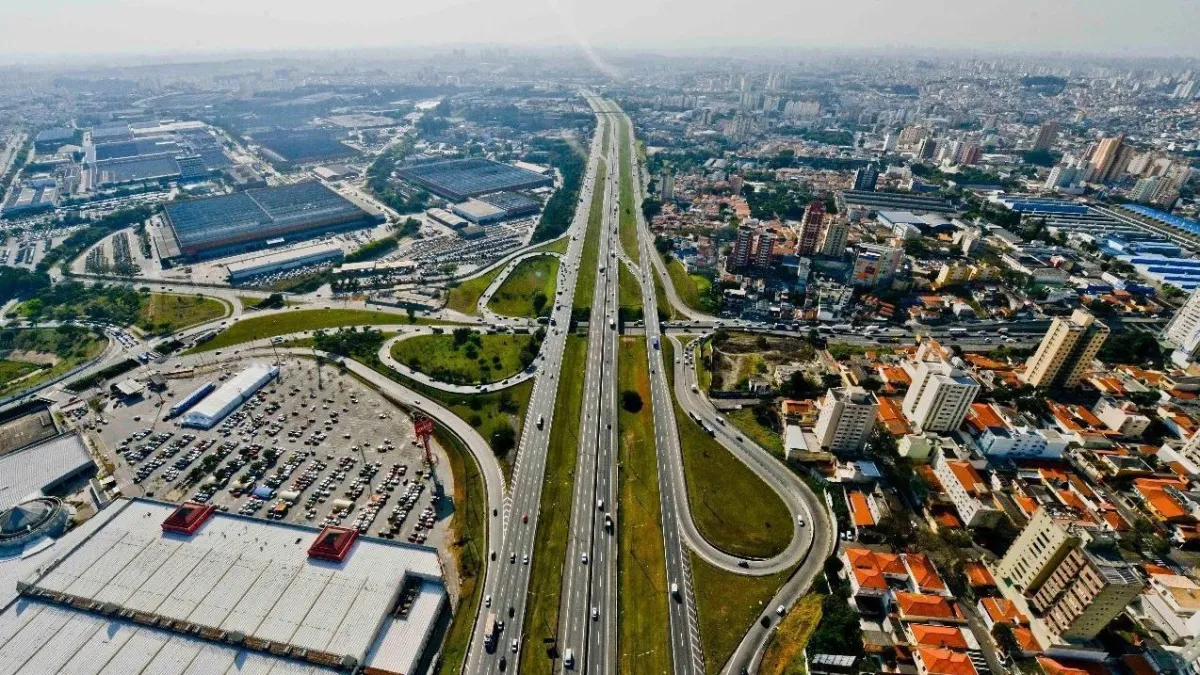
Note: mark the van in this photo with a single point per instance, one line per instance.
(569, 658)
(600, 504)
(675, 591)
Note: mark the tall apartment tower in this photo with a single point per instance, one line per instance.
(866, 177)
(846, 419)
(742, 246)
(1066, 351)
(927, 148)
(1045, 136)
(810, 228)
(1184, 331)
(1042, 545)
(668, 184)
(1084, 592)
(939, 397)
(764, 246)
(833, 237)
(1104, 157)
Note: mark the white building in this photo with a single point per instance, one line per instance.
(1121, 416)
(1184, 331)
(967, 490)
(846, 419)
(225, 400)
(939, 397)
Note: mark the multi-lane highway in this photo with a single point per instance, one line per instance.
(587, 633)
(509, 567)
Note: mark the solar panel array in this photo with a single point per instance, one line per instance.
(458, 179)
(203, 224)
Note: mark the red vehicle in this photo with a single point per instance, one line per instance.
(525, 518)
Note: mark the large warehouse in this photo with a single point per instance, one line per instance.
(459, 179)
(245, 219)
(225, 400)
(148, 586)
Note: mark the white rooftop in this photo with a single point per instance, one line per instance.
(246, 576)
(28, 471)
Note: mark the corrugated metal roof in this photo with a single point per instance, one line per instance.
(31, 469)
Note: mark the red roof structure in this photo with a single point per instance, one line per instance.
(333, 543)
(188, 518)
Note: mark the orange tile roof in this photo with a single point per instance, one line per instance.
(1026, 503)
(924, 573)
(926, 606)
(1054, 667)
(1026, 639)
(1162, 503)
(895, 375)
(869, 567)
(1072, 500)
(944, 662)
(893, 417)
(861, 510)
(1115, 521)
(981, 361)
(946, 517)
(978, 574)
(983, 416)
(1001, 610)
(930, 478)
(1107, 384)
(927, 635)
(968, 477)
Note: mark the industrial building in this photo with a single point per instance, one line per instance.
(878, 201)
(41, 468)
(232, 394)
(148, 586)
(194, 397)
(460, 179)
(283, 260)
(245, 219)
(514, 204)
(446, 218)
(478, 212)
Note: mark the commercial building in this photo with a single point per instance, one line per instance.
(43, 467)
(1066, 352)
(250, 218)
(49, 140)
(967, 490)
(460, 179)
(283, 260)
(939, 397)
(225, 400)
(1184, 331)
(478, 212)
(877, 201)
(1011, 434)
(147, 586)
(846, 419)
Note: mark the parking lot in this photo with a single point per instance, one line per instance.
(333, 453)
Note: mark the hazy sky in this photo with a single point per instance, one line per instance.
(46, 28)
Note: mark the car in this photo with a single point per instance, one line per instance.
(595, 613)
(487, 601)
(584, 559)
(512, 558)
(515, 645)
(780, 610)
(524, 517)
(525, 560)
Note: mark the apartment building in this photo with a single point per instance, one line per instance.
(967, 490)
(939, 397)
(1066, 352)
(1084, 592)
(1042, 544)
(846, 419)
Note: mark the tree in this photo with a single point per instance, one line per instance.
(1006, 640)
(504, 438)
(631, 401)
(539, 302)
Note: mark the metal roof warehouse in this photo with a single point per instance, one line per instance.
(173, 589)
(40, 467)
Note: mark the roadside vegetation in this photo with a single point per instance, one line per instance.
(468, 357)
(733, 509)
(528, 291)
(644, 642)
(300, 320)
(784, 654)
(586, 283)
(550, 546)
(695, 290)
(628, 221)
(727, 604)
(629, 294)
(465, 296)
(122, 304)
(31, 356)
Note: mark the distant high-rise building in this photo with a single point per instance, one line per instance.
(1045, 136)
(668, 184)
(846, 419)
(866, 177)
(742, 248)
(764, 247)
(971, 154)
(1144, 189)
(1166, 192)
(939, 397)
(833, 237)
(926, 148)
(1066, 351)
(1184, 331)
(810, 228)
(1061, 176)
(1185, 90)
(889, 142)
(1104, 157)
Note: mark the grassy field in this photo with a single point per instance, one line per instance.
(586, 284)
(644, 644)
(629, 291)
(72, 346)
(628, 221)
(660, 299)
(550, 546)
(726, 605)
(167, 313)
(784, 654)
(744, 419)
(691, 288)
(282, 323)
(703, 374)
(494, 358)
(515, 297)
(557, 246)
(468, 544)
(465, 296)
(734, 510)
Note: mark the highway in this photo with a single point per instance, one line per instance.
(590, 570)
(507, 580)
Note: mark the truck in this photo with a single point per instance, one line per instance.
(655, 342)
(612, 323)
(490, 632)
(957, 332)
(675, 591)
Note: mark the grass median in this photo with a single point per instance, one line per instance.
(628, 220)
(168, 312)
(528, 291)
(585, 287)
(465, 296)
(644, 644)
(473, 360)
(629, 292)
(733, 508)
(467, 543)
(726, 606)
(296, 321)
(544, 595)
